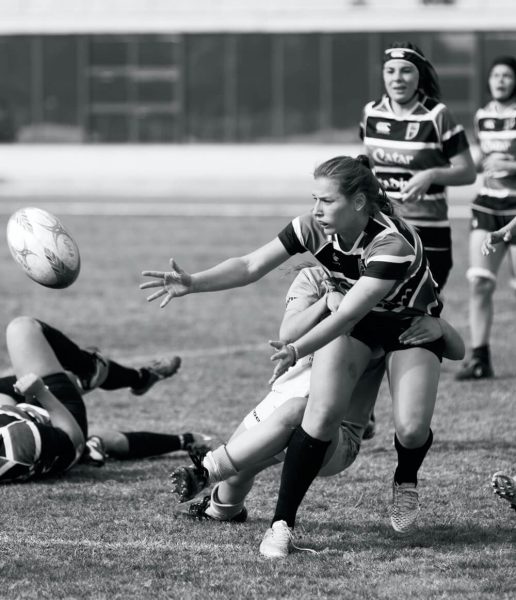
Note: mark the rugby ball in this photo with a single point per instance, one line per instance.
(43, 248)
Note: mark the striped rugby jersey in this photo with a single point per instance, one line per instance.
(496, 132)
(399, 147)
(30, 446)
(388, 248)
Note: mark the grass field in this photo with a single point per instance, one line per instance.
(112, 532)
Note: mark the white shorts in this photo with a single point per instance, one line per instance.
(295, 383)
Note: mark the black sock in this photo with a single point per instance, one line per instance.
(65, 391)
(481, 353)
(410, 459)
(121, 377)
(143, 443)
(7, 388)
(303, 460)
(72, 358)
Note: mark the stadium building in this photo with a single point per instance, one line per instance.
(228, 71)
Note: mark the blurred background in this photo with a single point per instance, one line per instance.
(227, 71)
(221, 98)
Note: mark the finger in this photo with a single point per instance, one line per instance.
(278, 372)
(167, 299)
(151, 284)
(160, 274)
(174, 266)
(276, 344)
(279, 355)
(157, 295)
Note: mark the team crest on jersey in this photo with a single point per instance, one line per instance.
(383, 127)
(412, 131)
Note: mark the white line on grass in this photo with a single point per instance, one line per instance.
(183, 209)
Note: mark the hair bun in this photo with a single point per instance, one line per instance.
(363, 159)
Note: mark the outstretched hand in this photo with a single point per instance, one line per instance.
(285, 356)
(172, 284)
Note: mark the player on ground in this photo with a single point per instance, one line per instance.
(505, 486)
(492, 210)
(264, 433)
(417, 150)
(378, 262)
(43, 421)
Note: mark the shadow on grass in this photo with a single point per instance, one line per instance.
(121, 471)
(366, 537)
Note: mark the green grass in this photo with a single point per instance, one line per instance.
(113, 533)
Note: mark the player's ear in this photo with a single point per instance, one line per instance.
(359, 201)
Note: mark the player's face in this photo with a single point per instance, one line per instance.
(400, 79)
(334, 212)
(501, 82)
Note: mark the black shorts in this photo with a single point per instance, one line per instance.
(377, 330)
(437, 242)
(490, 214)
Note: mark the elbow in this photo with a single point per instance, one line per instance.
(471, 176)
(285, 334)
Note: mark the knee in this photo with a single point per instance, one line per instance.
(291, 413)
(482, 282)
(412, 434)
(20, 326)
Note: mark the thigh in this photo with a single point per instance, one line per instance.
(479, 262)
(413, 380)
(29, 349)
(336, 369)
(341, 454)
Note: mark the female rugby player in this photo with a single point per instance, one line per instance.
(264, 433)
(492, 210)
(43, 421)
(378, 262)
(417, 150)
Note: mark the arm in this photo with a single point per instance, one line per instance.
(358, 301)
(231, 273)
(32, 386)
(297, 322)
(461, 171)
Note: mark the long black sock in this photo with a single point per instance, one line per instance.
(481, 353)
(410, 459)
(303, 460)
(121, 377)
(68, 353)
(65, 391)
(143, 443)
(83, 362)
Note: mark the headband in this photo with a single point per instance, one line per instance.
(407, 54)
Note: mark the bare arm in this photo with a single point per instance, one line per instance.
(231, 273)
(237, 272)
(462, 171)
(32, 386)
(297, 320)
(358, 301)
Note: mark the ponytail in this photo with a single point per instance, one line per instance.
(354, 175)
